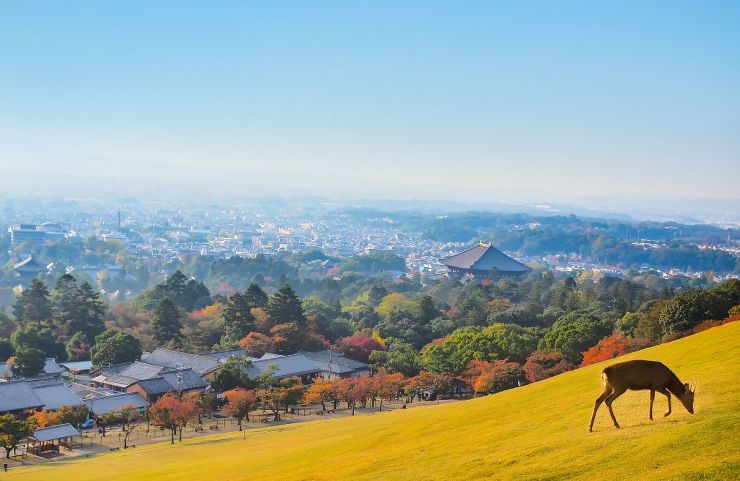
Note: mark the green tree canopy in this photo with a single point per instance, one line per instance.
(114, 347)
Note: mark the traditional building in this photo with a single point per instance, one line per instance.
(484, 260)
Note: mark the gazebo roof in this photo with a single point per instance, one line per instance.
(55, 432)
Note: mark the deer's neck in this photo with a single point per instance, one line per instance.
(676, 387)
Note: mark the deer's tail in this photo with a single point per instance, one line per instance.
(603, 378)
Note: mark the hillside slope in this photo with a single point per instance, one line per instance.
(539, 431)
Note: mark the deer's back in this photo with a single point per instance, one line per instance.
(639, 374)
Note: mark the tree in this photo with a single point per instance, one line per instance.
(350, 391)
(29, 361)
(574, 335)
(404, 325)
(257, 344)
(365, 318)
(166, 324)
(427, 381)
(400, 357)
(287, 338)
(427, 309)
(359, 346)
(43, 339)
(543, 364)
(238, 318)
(610, 347)
(34, 305)
(395, 301)
(687, 309)
(278, 393)
(232, 374)
(239, 403)
(323, 391)
(376, 294)
(284, 307)
(77, 347)
(6, 349)
(114, 347)
(255, 296)
(88, 311)
(13, 430)
(166, 414)
(499, 376)
(65, 299)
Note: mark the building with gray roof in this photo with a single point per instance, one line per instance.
(104, 404)
(50, 433)
(484, 260)
(17, 396)
(201, 364)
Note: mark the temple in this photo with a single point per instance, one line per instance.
(484, 260)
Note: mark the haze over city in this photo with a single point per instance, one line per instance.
(476, 102)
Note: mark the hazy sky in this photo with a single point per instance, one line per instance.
(636, 98)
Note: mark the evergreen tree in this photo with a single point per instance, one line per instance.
(285, 307)
(166, 325)
(238, 318)
(34, 305)
(376, 294)
(427, 309)
(29, 361)
(89, 311)
(255, 296)
(65, 299)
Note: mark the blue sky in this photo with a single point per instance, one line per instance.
(455, 98)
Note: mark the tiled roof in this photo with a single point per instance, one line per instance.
(17, 395)
(158, 385)
(484, 257)
(55, 432)
(223, 355)
(105, 404)
(176, 359)
(51, 366)
(142, 370)
(54, 396)
(77, 365)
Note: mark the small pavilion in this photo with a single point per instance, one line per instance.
(51, 438)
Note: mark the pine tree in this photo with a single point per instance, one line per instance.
(238, 318)
(255, 296)
(89, 310)
(427, 308)
(65, 299)
(34, 303)
(166, 325)
(285, 307)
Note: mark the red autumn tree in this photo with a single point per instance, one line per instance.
(164, 414)
(610, 347)
(239, 402)
(359, 346)
(543, 364)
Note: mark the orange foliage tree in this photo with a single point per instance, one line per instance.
(323, 391)
(543, 364)
(239, 402)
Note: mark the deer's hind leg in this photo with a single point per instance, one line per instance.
(609, 400)
(599, 400)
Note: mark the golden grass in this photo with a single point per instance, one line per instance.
(539, 431)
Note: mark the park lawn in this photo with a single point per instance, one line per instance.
(539, 431)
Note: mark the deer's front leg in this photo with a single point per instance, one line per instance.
(652, 398)
(667, 394)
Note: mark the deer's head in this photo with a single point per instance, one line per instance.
(687, 398)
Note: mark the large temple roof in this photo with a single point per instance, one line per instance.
(484, 257)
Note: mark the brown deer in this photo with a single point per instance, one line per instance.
(641, 375)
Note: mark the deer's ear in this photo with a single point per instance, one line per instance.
(687, 386)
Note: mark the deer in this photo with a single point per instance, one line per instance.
(639, 375)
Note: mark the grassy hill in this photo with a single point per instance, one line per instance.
(539, 431)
